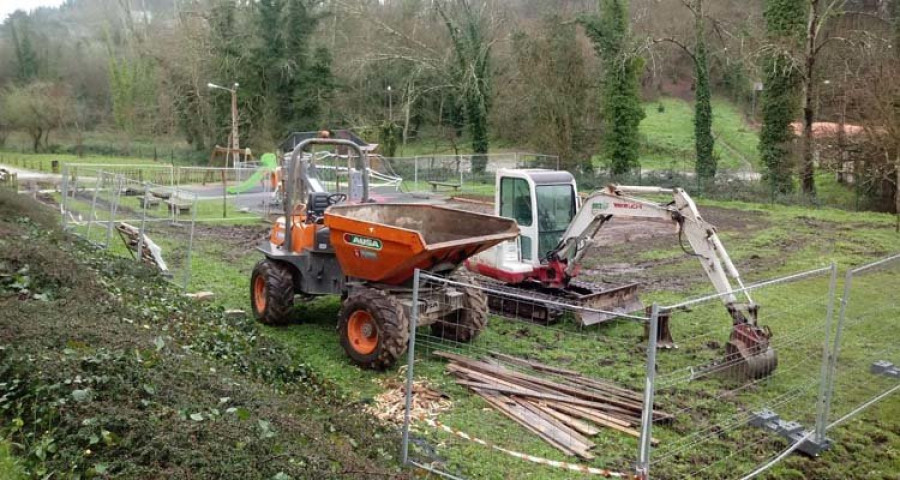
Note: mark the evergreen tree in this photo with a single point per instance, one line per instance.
(622, 111)
(703, 137)
(472, 73)
(785, 22)
(26, 56)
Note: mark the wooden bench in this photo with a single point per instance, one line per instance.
(180, 207)
(151, 201)
(133, 191)
(436, 185)
(163, 193)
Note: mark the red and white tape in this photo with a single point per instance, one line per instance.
(542, 461)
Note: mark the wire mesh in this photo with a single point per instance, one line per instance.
(715, 394)
(866, 353)
(548, 400)
(135, 219)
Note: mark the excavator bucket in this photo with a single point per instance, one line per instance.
(748, 353)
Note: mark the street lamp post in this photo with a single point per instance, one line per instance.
(390, 105)
(235, 145)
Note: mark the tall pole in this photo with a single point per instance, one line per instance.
(390, 105)
(235, 144)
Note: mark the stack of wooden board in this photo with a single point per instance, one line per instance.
(564, 409)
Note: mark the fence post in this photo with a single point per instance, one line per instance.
(172, 197)
(643, 468)
(97, 186)
(835, 351)
(187, 265)
(224, 196)
(824, 380)
(410, 362)
(416, 173)
(113, 208)
(65, 196)
(140, 245)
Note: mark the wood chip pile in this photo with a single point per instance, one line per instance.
(390, 406)
(564, 411)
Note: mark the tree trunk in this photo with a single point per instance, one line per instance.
(807, 167)
(409, 94)
(897, 189)
(36, 135)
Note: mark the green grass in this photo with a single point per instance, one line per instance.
(773, 240)
(669, 136)
(10, 466)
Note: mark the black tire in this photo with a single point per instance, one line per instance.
(465, 324)
(387, 342)
(273, 303)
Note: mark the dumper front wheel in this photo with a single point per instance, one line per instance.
(272, 293)
(465, 324)
(373, 327)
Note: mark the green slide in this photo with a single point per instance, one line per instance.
(269, 164)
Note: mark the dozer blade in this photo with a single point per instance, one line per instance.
(611, 298)
(534, 302)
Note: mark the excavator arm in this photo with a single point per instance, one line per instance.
(749, 343)
(615, 201)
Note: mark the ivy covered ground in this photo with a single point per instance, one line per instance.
(106, 371)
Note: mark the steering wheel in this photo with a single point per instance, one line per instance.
(336, 198)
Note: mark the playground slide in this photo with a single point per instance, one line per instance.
(269, 164)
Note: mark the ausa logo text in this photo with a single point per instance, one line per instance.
(364, 242)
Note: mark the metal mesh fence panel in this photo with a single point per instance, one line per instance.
(523, 398)
(866, 356)
(721, 390)
(468, 173)
(148, 222)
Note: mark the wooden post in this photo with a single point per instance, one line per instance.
(224, 195)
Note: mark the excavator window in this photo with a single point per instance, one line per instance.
(556, 208)
(515, 200)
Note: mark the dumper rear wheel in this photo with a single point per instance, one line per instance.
(465, 324)
(272, 292)
(373, 327)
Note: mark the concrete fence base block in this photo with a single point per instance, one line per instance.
(790, 430)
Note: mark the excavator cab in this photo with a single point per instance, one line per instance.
(542, 202)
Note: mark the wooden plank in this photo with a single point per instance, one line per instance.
(533, 364)
(577, 392)
(588, 414)
(601, 421)
(497, 401)
(522, 386)
(576, 424)
(531, 393)
(573, 436)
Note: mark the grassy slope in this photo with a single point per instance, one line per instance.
(764, 240)
(138, 382)
(669, 136)
(10, 466)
